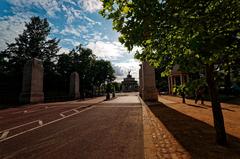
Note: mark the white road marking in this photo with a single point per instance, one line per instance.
(20, 126)
(51, 122)
(67, 111)
(40, 122)
(4, 135)
(62, 115)
(75, 110)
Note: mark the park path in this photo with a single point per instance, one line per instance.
(203, 113)
(192, 125)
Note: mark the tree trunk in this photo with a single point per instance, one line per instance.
(227, 81)
(183, 97)
(216, 107)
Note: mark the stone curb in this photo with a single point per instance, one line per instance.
(158, 141)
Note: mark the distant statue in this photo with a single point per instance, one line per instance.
(129, 76)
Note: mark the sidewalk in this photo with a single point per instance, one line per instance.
(158, 141)
(192, 126)
(203, 113)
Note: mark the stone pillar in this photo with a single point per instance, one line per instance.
(148, 83)
(74, 86)
(32, 84)
(140, 81)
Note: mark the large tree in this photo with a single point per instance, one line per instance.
(32, 43)
(202, 34)
(92, 72)
(102, 72)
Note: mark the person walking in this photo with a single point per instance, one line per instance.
(199, 94)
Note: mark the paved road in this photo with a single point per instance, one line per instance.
(81, 130)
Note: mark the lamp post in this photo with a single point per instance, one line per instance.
(107, 89)
(113, 91)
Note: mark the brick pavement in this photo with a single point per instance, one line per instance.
(158, 141)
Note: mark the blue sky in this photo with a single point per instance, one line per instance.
(73, 22)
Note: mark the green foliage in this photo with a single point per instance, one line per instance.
(117, 86)
(193, 85)
(189, 33)
(109, 87)
(194, 34)
(102, 71)
(32, 43)
(180, 89)
(92, 72)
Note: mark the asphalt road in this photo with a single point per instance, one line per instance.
(83, 130)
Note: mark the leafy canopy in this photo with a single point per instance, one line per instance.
(186, 32)
(32, 43)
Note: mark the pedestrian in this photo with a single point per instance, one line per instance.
(199, 94)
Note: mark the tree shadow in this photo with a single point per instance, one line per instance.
(207, 106)
(197, 137)
(197, 106)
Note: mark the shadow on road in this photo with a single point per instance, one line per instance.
(196, 106)
(197, 137)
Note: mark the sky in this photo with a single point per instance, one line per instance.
(74, 22)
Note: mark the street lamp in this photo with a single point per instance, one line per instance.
(107, 89)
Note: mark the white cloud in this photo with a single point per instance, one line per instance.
(70, 1)
(130, 65)
(72, 13)
(91, 5)
(70, 41)
(113, 51)
(91, 21)
(63, 50)
(11, 27)
(118, 70)
(107, 50)
(96, 36)
(74, 30)
(50, 6)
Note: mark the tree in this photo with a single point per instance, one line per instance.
(3, 63)
(103, 71)
(92, 72)
(193, 34)
(32, 43)
(79, 59)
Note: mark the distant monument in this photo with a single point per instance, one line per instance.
(32, 84)
(129, 84)
(74, 86)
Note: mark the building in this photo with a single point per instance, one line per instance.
(176, 78)
(129, 84)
